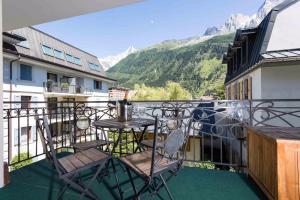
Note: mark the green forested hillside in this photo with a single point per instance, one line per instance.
(196, 68)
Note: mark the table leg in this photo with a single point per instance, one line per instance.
(116, 143)
(140, 139)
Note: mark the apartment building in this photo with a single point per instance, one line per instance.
(264, 62)
(41, 68)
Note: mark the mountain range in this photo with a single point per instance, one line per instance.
(195, 63)
(241, 21)
(234, 22)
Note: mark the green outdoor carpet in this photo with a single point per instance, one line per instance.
(39, 181)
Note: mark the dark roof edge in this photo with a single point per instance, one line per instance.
(17, 37)
(284, 5)
(52, 63)
(62, 41)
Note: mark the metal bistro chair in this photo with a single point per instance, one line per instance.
(151, 164)
(167, 124)
(83, 123)
(70, 167)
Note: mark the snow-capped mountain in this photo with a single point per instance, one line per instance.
(240, 21)
(110, 61)
(234, 22)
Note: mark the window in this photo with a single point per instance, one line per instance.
(69, 58)
(47, 50)
(25, 102)
(52, 77)
(25, 72)
(52, 107)
(77, 61)
(24, 132)
(94, 66)
(59, 54)
(97, 85)
(25, 43)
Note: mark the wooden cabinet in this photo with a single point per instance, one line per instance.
(274, 161)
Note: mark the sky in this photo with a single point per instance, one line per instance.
(143, 24)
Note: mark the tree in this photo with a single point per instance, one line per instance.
(171, 91)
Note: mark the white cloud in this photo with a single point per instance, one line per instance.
(152, 21)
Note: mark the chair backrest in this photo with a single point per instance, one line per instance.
(174, 145)
(176, 141)
(48, 144)
(43, 138)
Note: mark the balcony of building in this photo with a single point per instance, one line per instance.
(217, 156)
(60, 85)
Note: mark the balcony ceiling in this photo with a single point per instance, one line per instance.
(23, 13)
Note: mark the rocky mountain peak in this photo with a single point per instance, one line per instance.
(240, 21)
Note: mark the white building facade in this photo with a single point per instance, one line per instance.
(41, 71)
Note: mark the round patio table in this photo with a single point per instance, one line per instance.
(121, 126)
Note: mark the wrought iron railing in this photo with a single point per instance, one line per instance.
(66, 88)
(218, 134)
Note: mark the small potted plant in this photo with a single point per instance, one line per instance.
(65, 87)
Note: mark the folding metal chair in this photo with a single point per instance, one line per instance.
(168, 122)
(101, 140)
(151, 164)
(69, 168)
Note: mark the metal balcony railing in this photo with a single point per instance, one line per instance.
(66, 88)
(218, 137)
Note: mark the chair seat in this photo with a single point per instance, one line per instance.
(141, 162)
(82, 159)
(90, 144)
(149, 143)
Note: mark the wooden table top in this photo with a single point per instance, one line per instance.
(278, 133)
(114, 123)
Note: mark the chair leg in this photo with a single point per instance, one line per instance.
(94, 177)
(117, 179)
(62, 191)
(131, 181)
(78, 187)
(166, 186)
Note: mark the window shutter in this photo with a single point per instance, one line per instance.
(18, 99)
(232, 92)
(241, 90)
(34, 100)
(245, 93)
(250, 88)
(237, 90)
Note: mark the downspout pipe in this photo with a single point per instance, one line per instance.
(10, 107)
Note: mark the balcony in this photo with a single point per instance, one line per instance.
(38, 181)
(216, 157)
(65, 88)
